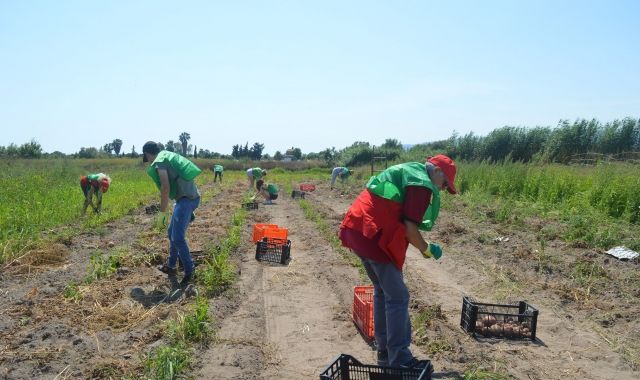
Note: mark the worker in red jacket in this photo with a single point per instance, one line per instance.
(383, 220)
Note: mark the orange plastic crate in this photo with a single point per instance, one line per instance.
(362, 313)
(278, 233)
(258, 230)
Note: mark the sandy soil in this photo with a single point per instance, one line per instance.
(289, 322)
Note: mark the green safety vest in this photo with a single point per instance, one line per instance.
(217, 168)
(257, 173)
(186, 169)
(391, 184)
(345, 173)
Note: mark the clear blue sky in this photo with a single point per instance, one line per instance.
(308, 74)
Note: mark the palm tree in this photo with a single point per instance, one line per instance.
(184, 140)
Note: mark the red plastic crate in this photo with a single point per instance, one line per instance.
(362, 313)
(258, 230)
(307, 187)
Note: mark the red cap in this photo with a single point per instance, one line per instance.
(104, 185)
(448, 167)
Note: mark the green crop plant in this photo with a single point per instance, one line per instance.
(480, 374)
(102, 266)
(194, 326)
(41, 195)
(167, 362)
(72, 292)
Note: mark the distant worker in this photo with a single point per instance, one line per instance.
(382, 221)
(340, 172)
(255, 174)
(268, 190)
(217, 172)
(174, 176)
(94, 184)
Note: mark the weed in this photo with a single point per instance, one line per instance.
(438, 346)
(167, 362)
(479, 374)
(72, 292)
(192, 327)
(218, 273)
(103, 266)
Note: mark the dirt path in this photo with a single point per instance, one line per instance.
(294, 319)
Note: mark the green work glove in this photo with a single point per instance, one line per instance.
(161, 220)
(433, 251)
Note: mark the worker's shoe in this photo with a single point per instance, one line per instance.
(164, 268)
(414, 363)
(383, 358)
(269, 202)
(188, 278)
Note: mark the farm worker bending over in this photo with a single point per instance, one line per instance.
(217, 172)
(381, 222)
(255, 174)
(94, 184)
(174, 176)
(268, 190)
(340, 172)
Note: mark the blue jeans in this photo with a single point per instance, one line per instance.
(180, 220)
(390, 311)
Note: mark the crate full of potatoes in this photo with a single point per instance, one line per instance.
(516, 320)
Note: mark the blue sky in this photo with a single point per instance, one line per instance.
(308, 74)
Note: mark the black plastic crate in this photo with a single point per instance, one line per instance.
(250, 206)
(273, 250)
(512, 321)
(346, 367)
(297, 194)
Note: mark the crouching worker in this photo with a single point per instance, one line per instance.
(94, 184)
(174, 176)
(268, 190)
(382, 221)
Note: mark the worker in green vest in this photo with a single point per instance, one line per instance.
(254, 174)
(94, 184)
(382, 221)
(174, 176)
(268, 190)
(217, 172)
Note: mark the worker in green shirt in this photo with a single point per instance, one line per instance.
(217, 172)
(268, 190)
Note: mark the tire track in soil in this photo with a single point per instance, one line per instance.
(568, 350)
(292, 320)
(42, 336)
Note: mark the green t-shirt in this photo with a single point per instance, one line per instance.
(272, 189)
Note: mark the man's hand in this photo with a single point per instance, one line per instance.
(433, 251)
(161, 220)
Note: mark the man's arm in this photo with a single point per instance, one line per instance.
(414, 236)
(164, 189)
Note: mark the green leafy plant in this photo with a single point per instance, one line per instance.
(167, 362)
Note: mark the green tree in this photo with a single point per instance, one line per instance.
(184, 140)
(30, 150)
(277, 156)
(171, 146)
(116, 145)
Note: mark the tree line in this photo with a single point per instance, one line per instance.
(560, 144)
